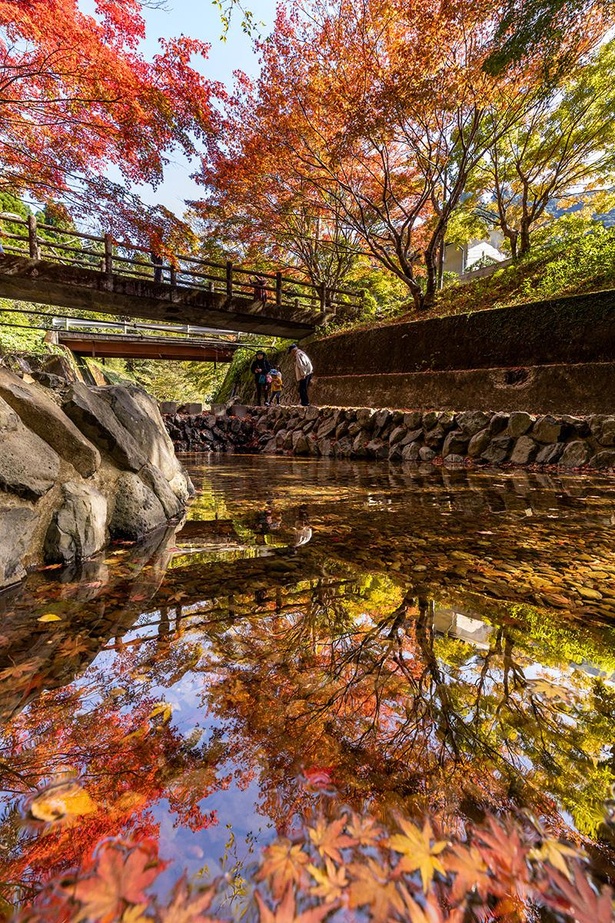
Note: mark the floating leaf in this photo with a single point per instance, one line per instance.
(49, 617)
(61, 801)
(417, 851)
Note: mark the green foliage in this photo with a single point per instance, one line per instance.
(590, 258)
(174, 381)
(16, 335)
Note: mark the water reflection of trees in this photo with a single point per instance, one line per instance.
(401, 713)
(331, 659)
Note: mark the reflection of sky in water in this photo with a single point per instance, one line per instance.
(276, 546)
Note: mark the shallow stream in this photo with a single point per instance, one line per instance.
(319, 636)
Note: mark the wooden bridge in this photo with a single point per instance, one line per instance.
(131, 346)
(72, 269)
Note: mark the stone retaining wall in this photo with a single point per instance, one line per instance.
(414, 437)
(549, 357)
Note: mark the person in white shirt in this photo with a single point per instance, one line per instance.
(303, 372)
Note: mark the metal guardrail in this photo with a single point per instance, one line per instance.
(112, 257)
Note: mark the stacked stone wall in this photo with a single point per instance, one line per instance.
(413, 437)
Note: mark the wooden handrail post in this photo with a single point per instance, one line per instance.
(108, 255)
(173, 275)
(323, 296)
(229, 278)
(278, 289)
(32, 239)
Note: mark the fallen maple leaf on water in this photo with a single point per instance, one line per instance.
(286, 911)
(120, 879)
(61, 801)
(418, 853)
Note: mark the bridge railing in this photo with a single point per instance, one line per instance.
(106, 255)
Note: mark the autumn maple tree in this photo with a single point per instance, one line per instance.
(373, 117)
(78, 96)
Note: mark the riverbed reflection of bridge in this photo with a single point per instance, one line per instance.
(71, 269)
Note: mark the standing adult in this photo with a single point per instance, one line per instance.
(260, 368)
(303, 372)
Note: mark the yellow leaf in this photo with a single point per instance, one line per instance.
(164, 709)
(49, 617)
(60, 801)
(329, 838)
(136, 914)
(555, 853)
(417, 851)
(330, 883)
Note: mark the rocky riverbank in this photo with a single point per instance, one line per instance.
(80, 467)
(413, 437)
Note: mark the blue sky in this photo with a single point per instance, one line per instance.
(199, 19)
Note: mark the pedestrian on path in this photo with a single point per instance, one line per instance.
(260, 368)
(303, 372)
(276, 385)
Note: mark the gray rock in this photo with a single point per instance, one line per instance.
(41, 414)
(550, 455)
(412, 436)
(327, 427)
(456, 443)
(478, 443)
(78, 528)
(343, 448)
(410, 453)
(153, 478)
(397, 434)
(525, 451)
(426, 454)
(381, 418)
(17, 526)
(547, 429)
(472, 421)
(365, 417)
(605, 432)
(453, 460)
(359, 446)
(604, 459)
(412, 419)
(300, 444)
(377, 449)
(435, 437)
(138, 413)
(430, 419)
(94, 417)
(137, 509)
(497, 451)
(325, 446)
(29, 468)
(354, 429)
(312, 413)
(168, 407)
(575, 454)
(519, 423)
(498, 423)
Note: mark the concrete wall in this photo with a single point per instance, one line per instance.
(545, 357)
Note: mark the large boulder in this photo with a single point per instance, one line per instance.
(29, 468)
(137, 509)
(152, 478)
(78, 528)
(41, 414)
(95, 418)
(138, 413)
(17, 526)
